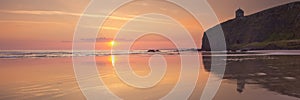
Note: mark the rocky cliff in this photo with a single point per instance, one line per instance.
(275, 28)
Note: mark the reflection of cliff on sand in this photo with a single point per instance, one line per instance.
(241, 82)
(275, 73)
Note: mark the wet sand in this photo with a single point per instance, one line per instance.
(263, 77)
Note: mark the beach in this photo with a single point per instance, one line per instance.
(35, 75)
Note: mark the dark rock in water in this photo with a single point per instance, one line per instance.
(244, 50)
(274, 28)
(152, 50)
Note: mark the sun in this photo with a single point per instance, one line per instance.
(112, 43)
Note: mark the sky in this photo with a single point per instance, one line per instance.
(50, 24)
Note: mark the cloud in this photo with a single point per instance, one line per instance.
(104, 39)
(111, 28)
(43, 12)
(31, 22)
(39, 12)
(48, 13)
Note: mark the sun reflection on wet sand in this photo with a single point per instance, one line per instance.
(138, 64)
(113, 60)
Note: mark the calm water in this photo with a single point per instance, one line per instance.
(49, 75)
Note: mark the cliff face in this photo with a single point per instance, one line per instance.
(275, 28)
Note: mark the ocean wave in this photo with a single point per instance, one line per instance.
(14, 54)
(53, 54)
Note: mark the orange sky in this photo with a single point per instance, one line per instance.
(50, 24)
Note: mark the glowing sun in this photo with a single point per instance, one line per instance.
(112, 43)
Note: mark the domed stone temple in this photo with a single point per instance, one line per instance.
(239, 14)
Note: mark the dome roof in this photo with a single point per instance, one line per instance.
(240, 10)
